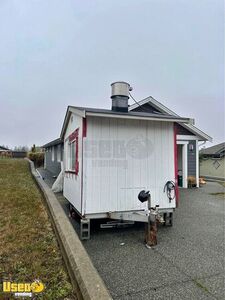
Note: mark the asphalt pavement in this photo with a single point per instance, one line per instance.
(188, 262)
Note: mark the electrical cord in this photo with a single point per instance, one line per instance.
(143, 109)
(169, 188)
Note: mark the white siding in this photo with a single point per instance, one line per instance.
(72, 182)
(115, 188)
(53, 153)
(58, 153)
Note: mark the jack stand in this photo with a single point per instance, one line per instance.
(151, 228)
(85, 229)
(151, 234)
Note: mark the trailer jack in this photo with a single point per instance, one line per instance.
(153, 218)
(151, 231)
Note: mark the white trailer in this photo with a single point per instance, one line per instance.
(111, 155)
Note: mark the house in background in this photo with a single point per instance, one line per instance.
(212, 162)
(4, 149)
(5, 152)
(53, 156)
(187, 138)
(19, 154)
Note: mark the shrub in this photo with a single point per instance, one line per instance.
(191, 181)
(37, 158)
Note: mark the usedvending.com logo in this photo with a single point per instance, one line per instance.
(23, 289)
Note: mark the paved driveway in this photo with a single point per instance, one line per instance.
(187, 263)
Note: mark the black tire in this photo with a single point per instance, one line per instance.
(71, 208)
(168, 218)
(171, 219)
(164, 217)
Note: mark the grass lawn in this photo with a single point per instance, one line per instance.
(28, 246)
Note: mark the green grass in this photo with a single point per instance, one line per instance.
(201, 286)
(28, 246)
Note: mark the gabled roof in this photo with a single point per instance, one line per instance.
(217, 149)
(162, 108)
(87, 111)
(53, 143)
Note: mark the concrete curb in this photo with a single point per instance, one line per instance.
(84, 277)
(214, 179)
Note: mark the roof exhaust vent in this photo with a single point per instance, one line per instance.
(120, 96)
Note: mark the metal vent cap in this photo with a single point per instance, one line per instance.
(120, 88)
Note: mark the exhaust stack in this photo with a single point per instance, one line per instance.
(120, 96)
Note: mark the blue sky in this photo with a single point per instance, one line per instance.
(54, 53)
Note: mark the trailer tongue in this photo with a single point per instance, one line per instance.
(152, 216)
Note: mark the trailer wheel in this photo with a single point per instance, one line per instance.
(70, 207)
(171, 219)
(168, 218)
(72, 211)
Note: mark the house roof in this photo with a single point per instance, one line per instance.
(53, 143)
(99, 112)
(4, 148)
(162, 108)
(214, 149)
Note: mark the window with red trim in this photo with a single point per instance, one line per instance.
(72, 150)
(73, 163)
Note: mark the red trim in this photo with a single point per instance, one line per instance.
(84, 133)
(69, 172)
(76, 158)
(73, 137)
(176, 165)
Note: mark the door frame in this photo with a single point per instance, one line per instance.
(184, 162)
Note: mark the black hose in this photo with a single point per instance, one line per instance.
(169, 188)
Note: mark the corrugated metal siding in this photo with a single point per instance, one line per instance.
(115, 188)
(192, 159)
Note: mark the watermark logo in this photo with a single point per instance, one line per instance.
(139, 147)
(117, 153)
(23, 289)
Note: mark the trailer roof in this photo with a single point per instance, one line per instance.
(101, 112)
